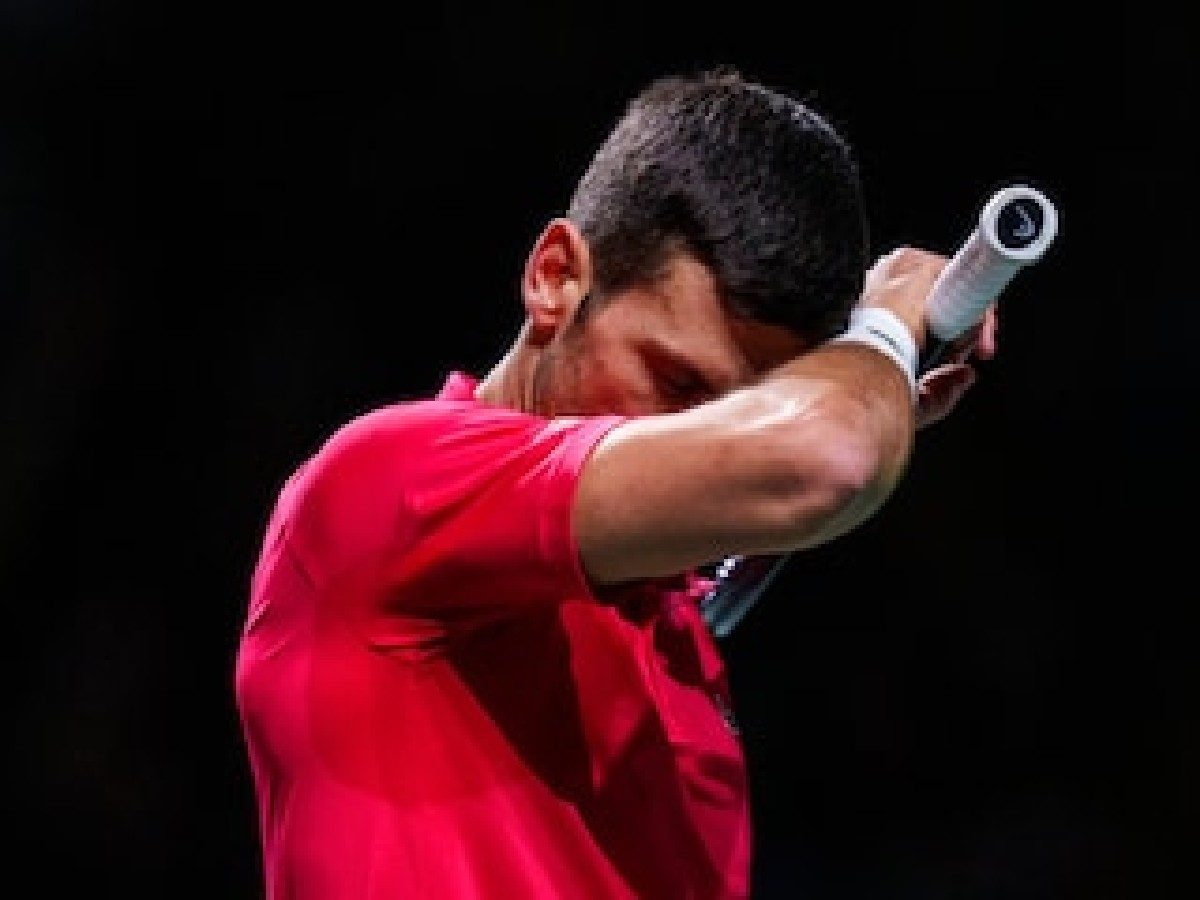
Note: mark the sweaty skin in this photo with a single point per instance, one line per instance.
(745, 439)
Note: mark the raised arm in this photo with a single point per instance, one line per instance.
(798, 458)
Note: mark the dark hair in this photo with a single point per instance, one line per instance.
(756, 184)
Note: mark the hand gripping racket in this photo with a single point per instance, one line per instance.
(1014, 229)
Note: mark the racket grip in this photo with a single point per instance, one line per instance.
(1015, 227)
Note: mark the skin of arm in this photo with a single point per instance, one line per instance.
(798, 458)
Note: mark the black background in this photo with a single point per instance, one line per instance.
(225, 229)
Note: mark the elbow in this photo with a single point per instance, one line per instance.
(847, 473)
(848, 466)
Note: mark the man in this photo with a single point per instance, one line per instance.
(474, 664)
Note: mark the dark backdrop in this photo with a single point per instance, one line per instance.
(227, 228)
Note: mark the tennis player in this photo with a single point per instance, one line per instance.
(473, 664)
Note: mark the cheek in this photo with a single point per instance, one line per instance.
(621, 385)
(609, 378)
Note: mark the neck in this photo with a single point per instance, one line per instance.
(510, 381)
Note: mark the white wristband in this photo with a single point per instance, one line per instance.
(879, 327)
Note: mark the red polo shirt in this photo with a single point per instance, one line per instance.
(437, 704)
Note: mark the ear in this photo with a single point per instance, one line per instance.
(557, 276)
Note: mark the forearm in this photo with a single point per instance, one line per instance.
(874, 407)
(794, 460)
(871, 420)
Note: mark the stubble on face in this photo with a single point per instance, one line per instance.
(625, 355)
(559, 375)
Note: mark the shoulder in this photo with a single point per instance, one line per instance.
(414, 444)
(403, 418)
(414, 436)
(451, 422)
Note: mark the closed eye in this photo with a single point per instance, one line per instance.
(682, 385)
(679, 381)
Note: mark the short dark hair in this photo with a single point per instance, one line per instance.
(754, 182)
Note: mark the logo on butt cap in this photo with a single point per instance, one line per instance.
(1019, 223)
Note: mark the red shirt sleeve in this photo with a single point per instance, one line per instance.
(447, 512)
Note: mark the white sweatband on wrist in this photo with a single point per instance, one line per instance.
(879, 327)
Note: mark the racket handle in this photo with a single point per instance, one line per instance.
(1014, 229)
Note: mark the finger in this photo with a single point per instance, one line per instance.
(940, 390)
(986, 342)
(946, 381)
(978, 341)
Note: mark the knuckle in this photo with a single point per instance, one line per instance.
(912, 259)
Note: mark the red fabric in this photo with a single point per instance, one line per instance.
(434, 702)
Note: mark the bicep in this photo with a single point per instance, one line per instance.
(752, 472)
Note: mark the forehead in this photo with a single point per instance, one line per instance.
(683, 313)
